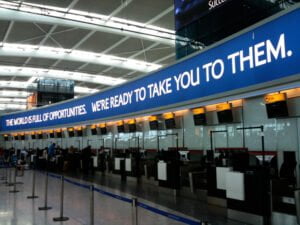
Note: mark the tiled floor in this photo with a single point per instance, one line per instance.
(16, 209)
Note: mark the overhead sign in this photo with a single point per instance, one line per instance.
(265, 53)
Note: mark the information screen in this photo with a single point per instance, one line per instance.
(187, 11)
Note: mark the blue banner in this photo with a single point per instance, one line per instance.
(265, 53)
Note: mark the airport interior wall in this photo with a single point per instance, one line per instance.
(280, 134)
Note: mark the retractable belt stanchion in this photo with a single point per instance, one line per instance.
(61, 217)
(46, 207)
(297, 200)
(33, 196)
(6, 175)
(15, 183)
(134, 212)
(9, 183)
(92, 205)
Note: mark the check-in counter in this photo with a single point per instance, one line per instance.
(168, 174)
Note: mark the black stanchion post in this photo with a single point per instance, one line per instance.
(3, 176)
(61, 217)
(46, 207)
(92, 205)
(33, 196)
(9, 183)
(6, 176)
(15, 183)
(134, 212)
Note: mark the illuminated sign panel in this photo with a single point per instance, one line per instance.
(223, 106)
(269, 52)
(198, 111)
(275, 98)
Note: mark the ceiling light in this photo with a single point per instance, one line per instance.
(25, 85)
(111, 24)
(21, 50)
(20, 94)
(59, 74)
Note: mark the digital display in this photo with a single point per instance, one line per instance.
(94, 131)
(225, 116)
(187, 11)
(277, 109)
(103, 130)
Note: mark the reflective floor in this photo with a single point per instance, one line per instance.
(16, 209)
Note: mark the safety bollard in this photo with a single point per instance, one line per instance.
(134, 212)
(15, 183)
(33, 196)
(46, 207)
(61, 217)
(92, 210)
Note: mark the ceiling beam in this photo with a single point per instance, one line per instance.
(8, 30)
(121, 29)
(154, 19)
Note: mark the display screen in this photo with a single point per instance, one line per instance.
(79, 133)
(225, 116)
(121, 129)
(170, 123)
(153, 125)
(187, 11)
(71, 133)
(58, 134)
(200, 119)
(103, 130)
(94, 131)
(277, 109)
(132, 128)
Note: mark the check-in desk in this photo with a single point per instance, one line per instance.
(168, 175)
(216, 185)
(149, 164)
(133, 163)
(283, 203)
(247, 195)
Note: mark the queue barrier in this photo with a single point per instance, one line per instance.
(133, 201)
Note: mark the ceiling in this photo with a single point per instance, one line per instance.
(99, 43)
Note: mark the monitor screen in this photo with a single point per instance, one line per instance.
(94, 131)
(187, 11)
(170, 123)
(277, 109)
(103, 130)
(71, 133)
(200, 119)
(59, 134)
(121, 129)
(132, 128)
(79, 133)
(225, 116)
(153, 125)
